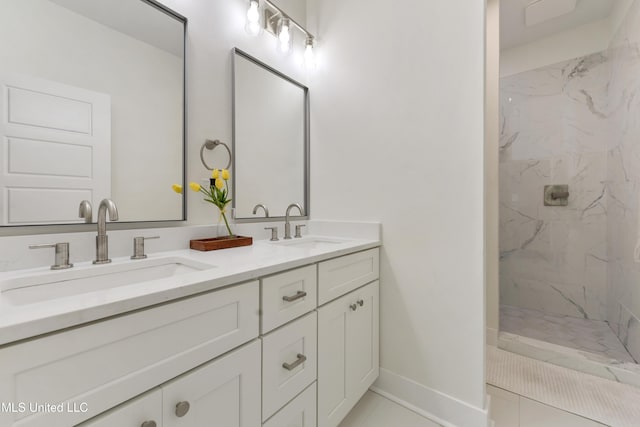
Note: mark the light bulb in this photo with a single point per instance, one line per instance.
(253, 26)
(284, 36)
(309, 56)
(253, 14)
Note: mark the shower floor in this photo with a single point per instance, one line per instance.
(581, 334)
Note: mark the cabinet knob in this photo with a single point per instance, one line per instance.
(353, 307)
(148, 424)
(182, 408)
(360, 302)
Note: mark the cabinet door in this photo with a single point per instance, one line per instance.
(363, 334)
(348, 345)
(332, 362)
(222, 393)
(143, 411)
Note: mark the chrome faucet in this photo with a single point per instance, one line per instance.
(85, 211)
(264, 208)
(102, 240)
(287, 225)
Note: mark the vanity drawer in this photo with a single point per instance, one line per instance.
(300, 412)
(134, 413)
(293, 345)
(339, 276)
(288, 295)
(105, 363)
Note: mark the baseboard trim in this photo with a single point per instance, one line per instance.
(437, 406)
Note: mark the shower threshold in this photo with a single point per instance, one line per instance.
(580, 344)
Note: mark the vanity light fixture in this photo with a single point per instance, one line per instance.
(253, 26)
(278, 23)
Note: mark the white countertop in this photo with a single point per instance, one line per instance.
(232, 266)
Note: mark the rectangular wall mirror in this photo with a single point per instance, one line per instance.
(92, 107)
(270, 140)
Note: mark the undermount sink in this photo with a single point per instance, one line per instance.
(43, 286)
(311, 242)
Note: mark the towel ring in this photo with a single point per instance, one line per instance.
(210, 145)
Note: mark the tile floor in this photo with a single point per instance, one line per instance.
(507, 410)
(581, 334)
(511, 410)
(591, 397)
(374, 410)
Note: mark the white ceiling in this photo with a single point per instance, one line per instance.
(513, 31)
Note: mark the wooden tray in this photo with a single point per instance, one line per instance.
(214, 243)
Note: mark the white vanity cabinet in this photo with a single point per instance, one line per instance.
(222, 393)
(348, 361)
(348, 332)
(297, 348)
(102, 364)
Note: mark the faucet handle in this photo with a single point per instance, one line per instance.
(274, 233)
(138, 247)
(62, 254)
(298, 228)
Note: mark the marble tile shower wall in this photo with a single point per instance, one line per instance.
(576, 123)
(623, 183)
(554, 131)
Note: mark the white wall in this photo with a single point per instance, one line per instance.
(491, 159)
(397, 136)
(38, 38)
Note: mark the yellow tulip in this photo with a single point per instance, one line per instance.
(225, 174)
(215, 173)
(177, 188)
(219, 184)
(194, 186)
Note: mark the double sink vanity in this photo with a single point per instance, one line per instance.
(275, 334)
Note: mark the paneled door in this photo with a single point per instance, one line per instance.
(56, 150)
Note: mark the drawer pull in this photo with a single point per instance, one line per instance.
(291, 366)
(182, 408)
(360, 302)
(353, 307)
(148, 424)
(298, 295)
